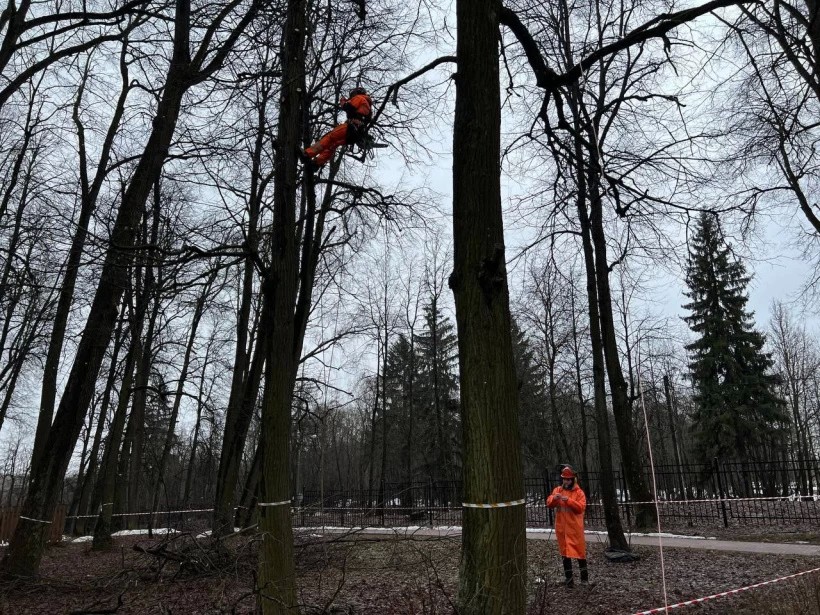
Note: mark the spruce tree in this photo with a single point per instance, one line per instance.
(402, 404)
(533, 406)
(737, 412)
(437, 349)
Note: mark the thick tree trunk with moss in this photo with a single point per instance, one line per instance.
(493, 561)
(277, 575)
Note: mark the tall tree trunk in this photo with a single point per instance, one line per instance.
(612, 518)
(621, 406)
(277, 576)
(199, 308)
(247, 373)
(133, 473)
(88, 203)
(248, 498)
(83, 494)
(189, 475)
(25, 550)
(105, 489)
(385, 426)
(674, 433)
(373, 415)
(493, 561)
(410, 402)
(579, 389)
(236, 431)
(609, 496)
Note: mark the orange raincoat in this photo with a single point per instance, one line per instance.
(569, 520)
(358, 109)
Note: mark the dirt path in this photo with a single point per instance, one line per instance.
(774, 548)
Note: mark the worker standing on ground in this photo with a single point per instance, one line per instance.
(359, 110)
(570, 502)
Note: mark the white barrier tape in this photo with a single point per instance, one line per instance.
(536, 504)
(34, 520)
(782, 498)
(731, 592)
(496, 505)
(159, 513)
(268, 504)
(315, 507)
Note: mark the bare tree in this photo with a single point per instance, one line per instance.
(185, 70)
(493, 564)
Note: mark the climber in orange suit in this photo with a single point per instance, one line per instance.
(359, 110)
(571, 503)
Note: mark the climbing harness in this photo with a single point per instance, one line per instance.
(362, 144)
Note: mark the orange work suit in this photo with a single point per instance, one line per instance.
(569, 520)
(358, 109)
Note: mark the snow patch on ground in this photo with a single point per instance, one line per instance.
(650, 535)
(207, 533)
(160, 530)
(455, 529)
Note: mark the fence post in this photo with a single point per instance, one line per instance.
(720, 492)
(430, 502)
(625, 491)
(546, 495)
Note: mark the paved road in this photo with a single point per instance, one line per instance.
(778, 548)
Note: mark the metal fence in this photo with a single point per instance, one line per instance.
(727, 494)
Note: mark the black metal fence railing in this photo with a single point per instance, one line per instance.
(735, 494)
(759, 493)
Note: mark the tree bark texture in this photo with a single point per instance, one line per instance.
(493, 564)
(277, 576)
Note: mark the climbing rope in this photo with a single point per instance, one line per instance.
(654, 481)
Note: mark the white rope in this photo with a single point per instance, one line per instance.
(654, 481)
(270, 504)
(140, 514)
(496, 504)
(34, 520)
(782, 498)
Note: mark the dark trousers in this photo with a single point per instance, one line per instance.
(582, 566)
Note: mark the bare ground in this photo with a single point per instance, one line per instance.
(351, 574)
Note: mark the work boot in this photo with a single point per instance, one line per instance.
(582, 565)
(569, 583)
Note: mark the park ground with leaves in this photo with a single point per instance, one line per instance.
(355, 574)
